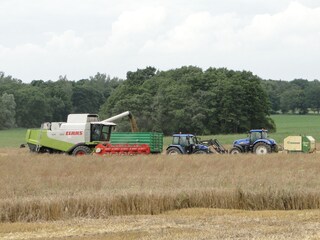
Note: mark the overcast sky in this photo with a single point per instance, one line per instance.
(43, 39)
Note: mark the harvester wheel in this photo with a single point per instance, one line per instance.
(81, 150)
(32, 147)
(261, 148)
(173, 151)
(235, 150)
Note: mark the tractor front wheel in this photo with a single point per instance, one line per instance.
(173, 151)
(81, 151)
(261, 148)
(235, 150)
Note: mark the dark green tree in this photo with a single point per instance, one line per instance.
(86, 99)
(60, 93)
(313, 96)
(294, 100)
(190, 100)
(32, 107)
(7, 109)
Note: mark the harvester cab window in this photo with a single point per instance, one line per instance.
(105, 133)
(95, 132)
(100, 132)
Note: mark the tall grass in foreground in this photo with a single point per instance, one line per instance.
(51, 187)
(142, 203)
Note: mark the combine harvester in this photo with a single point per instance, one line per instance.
(84, 134)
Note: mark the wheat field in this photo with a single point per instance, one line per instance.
(154, 189)
(53, 187)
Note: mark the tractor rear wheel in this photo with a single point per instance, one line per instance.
(261, 148)
(235, 150)
(173, 151)
(81, 151)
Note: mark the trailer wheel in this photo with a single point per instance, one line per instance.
(261, 148)
(173, 151)
(81, 151)
(235, 150)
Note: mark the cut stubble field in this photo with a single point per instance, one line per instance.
(159, 197)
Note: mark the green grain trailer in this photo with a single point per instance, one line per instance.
(153, 139)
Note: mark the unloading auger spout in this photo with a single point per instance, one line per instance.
(134, 127)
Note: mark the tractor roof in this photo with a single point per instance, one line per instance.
(258, 130)
(183, 135)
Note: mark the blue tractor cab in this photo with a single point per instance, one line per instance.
(256, 142)
(186, 144)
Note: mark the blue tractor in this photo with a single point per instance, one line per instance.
(190, 144)
(256, 142)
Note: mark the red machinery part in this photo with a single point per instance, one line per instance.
(121, 149)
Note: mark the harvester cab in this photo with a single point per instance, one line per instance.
(100, 132)
(256, 142)
(186, 144)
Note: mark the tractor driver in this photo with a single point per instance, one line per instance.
(188, 145)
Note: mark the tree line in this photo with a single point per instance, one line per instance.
(187, 99)
(299, 96)
(29, 105)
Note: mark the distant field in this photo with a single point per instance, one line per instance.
(12, 137)
(296, 125)
(286, 125)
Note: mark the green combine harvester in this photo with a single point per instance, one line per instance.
(82, 133)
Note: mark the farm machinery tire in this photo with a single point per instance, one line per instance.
(261, 148)
(81, 151)
(173, 151)
(32, 147)
(235, 150)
